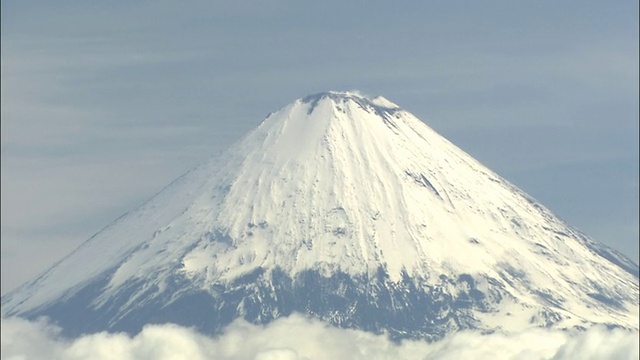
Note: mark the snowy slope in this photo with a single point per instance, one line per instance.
(337, 183)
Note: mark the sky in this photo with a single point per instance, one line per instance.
(105, 103)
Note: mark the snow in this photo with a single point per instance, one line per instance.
(337, 181)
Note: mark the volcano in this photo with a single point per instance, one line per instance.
(348, 209)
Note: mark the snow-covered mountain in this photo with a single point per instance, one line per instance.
(351, 210)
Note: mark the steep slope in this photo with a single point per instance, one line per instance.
(349, 209)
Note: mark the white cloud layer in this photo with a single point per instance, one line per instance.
(297, 338)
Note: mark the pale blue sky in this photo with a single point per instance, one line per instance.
(104, 103)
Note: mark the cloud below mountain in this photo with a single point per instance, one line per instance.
(297, 337)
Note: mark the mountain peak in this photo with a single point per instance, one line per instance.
(344, 197)
(378, 103)
(336, 95)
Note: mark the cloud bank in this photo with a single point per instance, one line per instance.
(297, 338)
